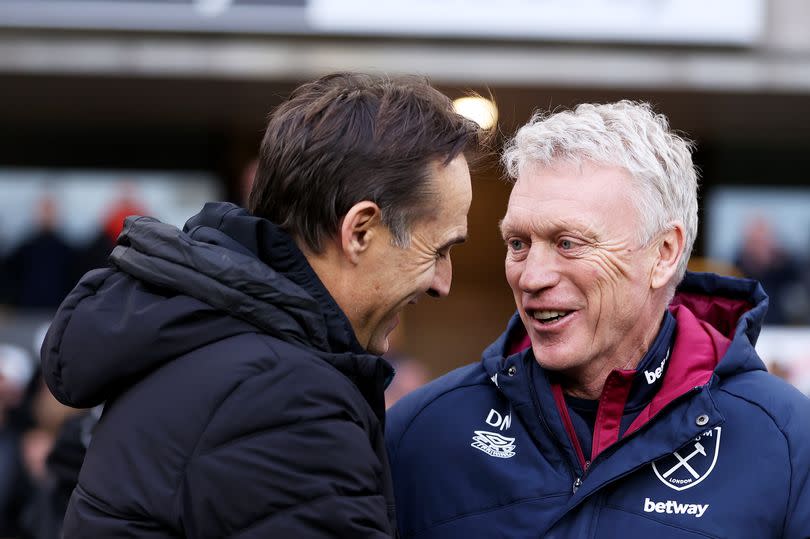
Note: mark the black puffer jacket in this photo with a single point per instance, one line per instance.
(239, 403)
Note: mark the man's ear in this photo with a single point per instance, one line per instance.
(669, 250)
(358, 229)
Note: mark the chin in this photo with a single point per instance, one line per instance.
(551, 359)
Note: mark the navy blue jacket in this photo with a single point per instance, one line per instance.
(238, 401)
(721, 450)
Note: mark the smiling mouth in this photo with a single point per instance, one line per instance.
(549, 317)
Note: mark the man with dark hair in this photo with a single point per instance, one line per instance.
(239, 357)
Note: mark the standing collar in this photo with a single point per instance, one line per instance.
(649, 373)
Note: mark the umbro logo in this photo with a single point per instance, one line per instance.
(494, 444)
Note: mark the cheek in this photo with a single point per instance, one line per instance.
(617, 302)
(513, 272)
(610, 270)
(602, 293)
(606, 276)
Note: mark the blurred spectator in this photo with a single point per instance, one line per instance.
(95, 254)
(778, 368)
(36, 474)
(711, 265)
(37, 273)
(40, 508)
(795, 371)
(410, 375)
(246, 180)
(16, 370)
(43, 516)
(763, 258)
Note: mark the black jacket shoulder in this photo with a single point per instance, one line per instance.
(237, 401)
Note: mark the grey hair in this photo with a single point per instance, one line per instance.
(627, 134)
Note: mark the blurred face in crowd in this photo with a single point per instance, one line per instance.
(392, 277)
(580, 279)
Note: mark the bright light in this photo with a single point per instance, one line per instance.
(478, 109)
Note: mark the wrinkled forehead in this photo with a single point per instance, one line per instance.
(581, 194)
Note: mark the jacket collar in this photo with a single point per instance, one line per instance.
(728, 316)
(249, 268)
(234, 228)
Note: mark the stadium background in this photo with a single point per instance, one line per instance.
(115, 105)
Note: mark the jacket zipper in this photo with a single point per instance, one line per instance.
(578, 481)
(557, 442)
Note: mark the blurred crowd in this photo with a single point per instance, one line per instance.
(42, 441)
(42, 268)
(784, 275)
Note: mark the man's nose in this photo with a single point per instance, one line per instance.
(440, 287)
(540, 270)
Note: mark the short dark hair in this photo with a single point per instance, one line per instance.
(349, 137)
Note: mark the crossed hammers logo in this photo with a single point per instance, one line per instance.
(685, 461)
(707, 445)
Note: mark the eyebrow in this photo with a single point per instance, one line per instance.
(455, 240)
(506, 227)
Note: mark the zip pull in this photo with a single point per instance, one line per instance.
(577, 484)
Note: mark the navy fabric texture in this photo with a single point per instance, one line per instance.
(238, 401)
(485, 452)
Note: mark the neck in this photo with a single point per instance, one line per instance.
(330, 268)
(589, 381)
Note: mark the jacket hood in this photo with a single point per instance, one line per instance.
(171, 291)
(734, 308)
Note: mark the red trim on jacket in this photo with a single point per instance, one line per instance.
(697, 350)
(521, 345)
(559, 399)
(611, 409)
(722, 313)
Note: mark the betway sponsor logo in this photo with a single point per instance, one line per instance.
(653, 376)
(672, 507)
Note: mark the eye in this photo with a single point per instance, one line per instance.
(570, 246)
(515, 245)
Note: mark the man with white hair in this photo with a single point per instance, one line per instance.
(625, 398)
